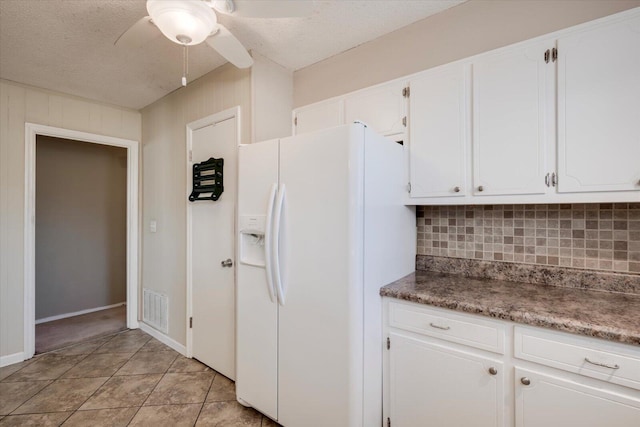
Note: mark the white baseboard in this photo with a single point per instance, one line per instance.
(10, 359)
(163, 338)
(78, 313)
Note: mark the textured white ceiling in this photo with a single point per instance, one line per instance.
(67, 45)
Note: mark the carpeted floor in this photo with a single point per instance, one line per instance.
(65, 332)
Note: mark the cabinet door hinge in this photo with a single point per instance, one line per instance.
(388, 343)
(190, 322)
(190, 156)
(547, 55)
(406, 92)
(388, 422)
(554, 54)
(295, 121)
(404, 121)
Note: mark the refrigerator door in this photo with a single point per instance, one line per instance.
(257, 310)
(321, 320)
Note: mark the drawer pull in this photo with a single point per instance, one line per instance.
(604, 365)
(493, 371)
(444, 328)
(525, 381)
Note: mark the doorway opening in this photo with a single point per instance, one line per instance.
(81, 246)
(81, 237)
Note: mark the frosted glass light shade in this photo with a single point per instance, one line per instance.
(186, 22)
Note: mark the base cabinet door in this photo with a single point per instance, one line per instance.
(548, 401)
(434, 385)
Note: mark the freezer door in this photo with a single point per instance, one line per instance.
(321, 320)
(257, 308)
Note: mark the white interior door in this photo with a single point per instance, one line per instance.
(212, 242)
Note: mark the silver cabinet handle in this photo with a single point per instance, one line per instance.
(456, 189)
(604, 365)
(554, 179)
(493, 371)
(227, 263)
(546, 180)
(444, 328)
(525, 380)
(480, 188)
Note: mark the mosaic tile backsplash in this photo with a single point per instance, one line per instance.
(597, 236)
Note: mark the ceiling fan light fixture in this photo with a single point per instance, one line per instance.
(185, 22)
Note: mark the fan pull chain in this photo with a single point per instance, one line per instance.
(185, 65)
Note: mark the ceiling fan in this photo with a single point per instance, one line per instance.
(191, 22)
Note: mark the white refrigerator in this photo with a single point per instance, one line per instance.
(321, 228)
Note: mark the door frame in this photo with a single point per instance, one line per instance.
(230, 113)
(32, 130)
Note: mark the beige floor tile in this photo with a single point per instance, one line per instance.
(83, 348)
(124, 343)
(98, 365)
(122, 392)
(148, 363)
(184, 364)
(228, 414)
(13, 395)
(61, 395)
(5, 371)
(155, 345)
(46, 367)
(181, 388)
(266, 422)
(167, 415)
(35, 420)
(222, 389)
(101, 418)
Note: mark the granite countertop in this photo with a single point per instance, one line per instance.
(612, 316)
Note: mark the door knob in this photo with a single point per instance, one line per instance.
(493, 371)
(481, 188)
(456, 189)
(227, 262)
(525, 380)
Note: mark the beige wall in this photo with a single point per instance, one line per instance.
(20, 104)
(81, 226)
(165, 178)
(468, 29)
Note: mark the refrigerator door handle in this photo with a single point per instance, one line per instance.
(268, 237)
(276, 244)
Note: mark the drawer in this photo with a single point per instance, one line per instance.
(611, 362)
(462, 329)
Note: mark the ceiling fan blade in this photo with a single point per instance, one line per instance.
(138, 34)
(265, 8)
(227, 45)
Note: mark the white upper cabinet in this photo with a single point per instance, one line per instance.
(439, 132)
(320, 115)
(510, 112)
(381, 107)
(599, 108)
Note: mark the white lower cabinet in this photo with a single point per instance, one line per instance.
(443, 386)
(436, 375)
(551, 401)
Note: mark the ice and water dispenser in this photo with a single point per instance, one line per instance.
(252, 229)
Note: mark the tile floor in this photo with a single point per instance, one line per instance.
(126, 379)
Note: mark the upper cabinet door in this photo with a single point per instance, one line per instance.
(439, 132)
(511, 111)
(381, 107)
(320, 115)
(599, 108)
